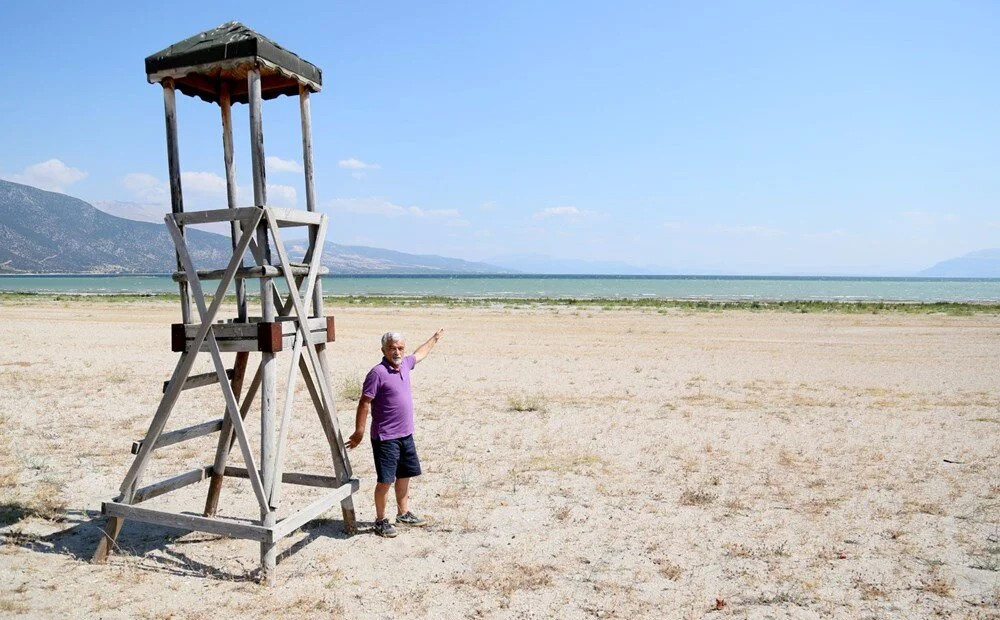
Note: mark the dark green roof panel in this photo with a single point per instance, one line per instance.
(225, 54)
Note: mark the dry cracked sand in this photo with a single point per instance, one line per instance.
(578, 463)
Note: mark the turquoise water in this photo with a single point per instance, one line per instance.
(635, 287)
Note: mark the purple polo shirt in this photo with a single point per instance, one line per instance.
(392, 402)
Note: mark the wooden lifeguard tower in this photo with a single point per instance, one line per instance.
(232, 63)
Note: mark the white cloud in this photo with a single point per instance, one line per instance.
(489, 205)
(830, 235)
(417, 211)
(755, 230)
(381, 206)
(568, 212)
(207, 183)
(276, 164)
(203, 190)
(356, 164)
(373, 206)
(281, 196)
(146, 188)
(51, 175)
(928, 218)
(458, 223)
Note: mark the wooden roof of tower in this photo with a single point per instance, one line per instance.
(200, 64)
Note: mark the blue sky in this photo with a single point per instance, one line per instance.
(722, 137)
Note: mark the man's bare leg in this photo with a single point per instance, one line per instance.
(402, 495)
(381, 495)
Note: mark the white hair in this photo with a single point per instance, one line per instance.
(391, 337)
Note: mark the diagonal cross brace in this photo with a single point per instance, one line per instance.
(301, 337)
(300, 310)
(186, 361)
(207, 316)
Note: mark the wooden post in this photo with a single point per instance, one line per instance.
(109, 535)
(268, 550)
(174, 170)
(226, 439)
(225, 104)
(333, 433)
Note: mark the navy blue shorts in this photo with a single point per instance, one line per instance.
(395, 458)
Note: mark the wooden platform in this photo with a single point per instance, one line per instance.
(254, 335)
(226, 527)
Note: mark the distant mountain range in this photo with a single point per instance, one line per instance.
(981, 264)
(48, 232)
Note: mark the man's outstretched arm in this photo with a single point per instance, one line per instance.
(364, 407)
(426, 347)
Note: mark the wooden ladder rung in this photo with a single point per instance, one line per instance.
(196, 381)
(182, 434)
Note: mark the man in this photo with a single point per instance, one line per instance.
(386, 395)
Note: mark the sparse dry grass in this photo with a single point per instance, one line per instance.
(938, 585)
(14, 607)
(668, 569)
(573, 511)
(696, 497)
(351, 389)
(508, 578)
(567, 463)
(524, 403)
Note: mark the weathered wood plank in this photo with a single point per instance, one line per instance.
(249, 329)
(226, 436)
(267, 271)
(108, 537)
(194, 73)
(216, 215)
(305, 116)
(223, 331)
(296, 520)
(294, 216)
(171, 484)
(197, 381)
(268, 550)
(286, 419)
(340, 465)
(174, 174)
(235, 230)
(308, 480)
(188, 522)
(182, 434)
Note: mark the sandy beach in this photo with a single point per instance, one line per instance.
(579, 463)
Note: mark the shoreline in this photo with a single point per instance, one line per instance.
(602, 303)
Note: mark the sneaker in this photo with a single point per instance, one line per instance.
(384, 529)
(409, 518)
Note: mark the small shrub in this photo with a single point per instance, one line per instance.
(351, 389)
(525, 403)
(938, 585)
(668, 569)
(696, 497)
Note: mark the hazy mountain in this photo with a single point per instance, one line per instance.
(981, 264)
(48, 232)
(539, 263)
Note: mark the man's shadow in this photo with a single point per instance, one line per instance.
(158, 546)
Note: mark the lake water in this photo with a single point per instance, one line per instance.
(719, 288)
